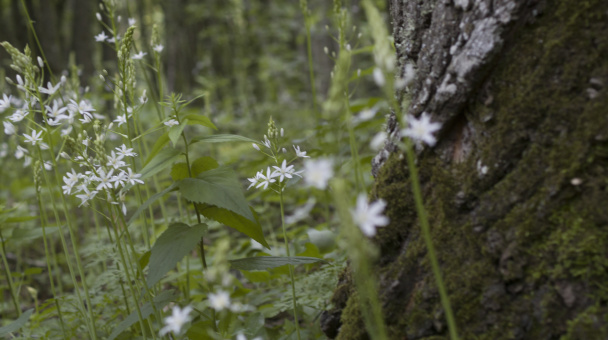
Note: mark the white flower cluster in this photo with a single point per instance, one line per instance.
(110, 176)
(282, 172)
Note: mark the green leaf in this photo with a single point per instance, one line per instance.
(18, 219)
(200, 120)
(179, 171)
(223, 139)
(176, 131)
(17, 324)
(236, 221)
(268, 262)
(158, 145)
(144, 260)
(22, 234)
(202, 164)
(175, 243)
(150, 201)
(159, 302)
(164, 159)
(218, 187)
(199, 330)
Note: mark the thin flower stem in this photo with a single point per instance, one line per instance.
(9, 278)
(291, 275)
(426, 234)
(310, 65)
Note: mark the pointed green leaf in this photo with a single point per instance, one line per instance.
(159, 302)
(202, 164)
(175, 243)
(164, 159)
(17, 324)
(218, 187)
(269, 262)
(158, 145)
(200, 120)
(150, 201)
(179, 171)
(176, 131)
(223, 139)
(235, 221)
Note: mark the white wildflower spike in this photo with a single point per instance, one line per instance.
(421, 130)
(301, 154)
(318, 172)
(220, 300)
(369, 216)
(176, 321)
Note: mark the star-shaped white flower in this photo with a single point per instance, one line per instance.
(318, 172)
(50, 89)
(171, 122)
(176, 321)
(421, 130)
(34, 138)
(121, 119)
(139, 55)
(158, 48)
(133, 178)
(70, 179)
(5, 102)
(299, 153)
(283, 171)
(265, 180)
(115, 161)
(125, 152)
(369, 216)
(101, 37)
(219, 300)
(87, 196)
(9, 128)
(105, 179)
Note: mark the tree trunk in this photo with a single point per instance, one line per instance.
(516, 187)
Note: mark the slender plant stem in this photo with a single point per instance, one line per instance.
(426, 234)
(9, 279)
(291, 275)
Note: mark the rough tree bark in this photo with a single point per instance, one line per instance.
(516, 188)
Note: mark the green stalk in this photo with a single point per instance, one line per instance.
(9, 278)
(291, 276)
(426, 234)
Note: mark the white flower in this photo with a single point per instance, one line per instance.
(301, 213)
(139, 55)
(379, 77)
(55, 111)
(101, 37)
(84, 108)
(143, 99)
(300, 153)
(318, 172)
(266, 142)
(284, 171)
(115, 161)
(5, 102)
(133, 178)
(421, 130)
(369, 216)
(9, 128)
(265, 180)
(50, 89)
(34, 138)
(378, 141)
(18, 115)
(3, 150)
(177, 319)
(114, 39)
(171, 122)
(70, 179)
(131, 21)
(105, 179)
(220, 300)
(255, 146)
(121, 119)
(158, 48)
(125, 152)
(87, 196)
(21, 151)
(48, 166)
(254, 180)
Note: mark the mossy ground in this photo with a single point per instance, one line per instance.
(523, 248)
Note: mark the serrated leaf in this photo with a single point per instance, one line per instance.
(159, 302)
(176, 131)
(151, 200)
(223, 139)
(17, 324)
(218, 187)
(235, 221)
(179, 171)
(170, 247)
(161, 161)
(158, 145)
(269, 262)
(200, 120)
(202, 164)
